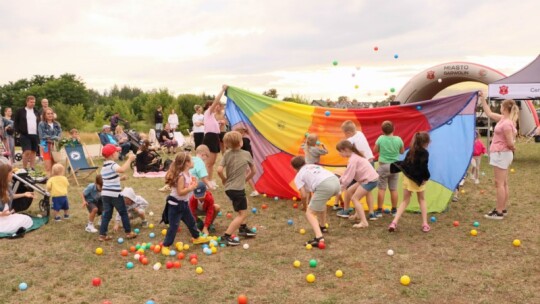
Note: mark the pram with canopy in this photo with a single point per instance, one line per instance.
(23, 182)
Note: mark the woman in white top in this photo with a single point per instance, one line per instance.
(173, 120)
(198, 126)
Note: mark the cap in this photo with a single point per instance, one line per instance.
(200, 191)
(129, 193)
(105, 127)
(109, 150)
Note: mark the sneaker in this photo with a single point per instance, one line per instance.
(505, 212)
(494, 215)
(378, 213)
(200, 240)
(393, 211)
(476, 181)
(336, 208)
(57, 219)
(90, 228)
(254, 193)
(455, 199)
(229, 241)
(66, 216)
(245, 231)
(373, 217)
(343, 213)
(144, 224)
(314, 242)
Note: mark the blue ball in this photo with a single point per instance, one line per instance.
(219, 214)
(129, 265)
(433, 219)
(237, 239)
(327, 113)
(23, 286)
(254, 210)
(290, 222)
(396, 56)
(136, 230)
(152, 235)
(419, 107)
(476, 224)
(172, 253)
(150, 302)
(204, 246)
(254, 230)
(318, 142)
(120, 240)
(222, 245)
(387, 211)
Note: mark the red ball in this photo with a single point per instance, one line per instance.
(456, 223)
(193, 261)
(106, 302)
(193, 256)
(181, 256)
(96, 282)
(177, 264)
(152, 247)
(124, 253)
(295, 205)
(161, 244)
(264, 206)
(141, 257)
(144, 261)
(132, 249)
(376, 48)
(229, 215)
(242, 299)
(169, 265)
(322, 245)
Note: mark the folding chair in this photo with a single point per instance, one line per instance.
(78, 163)
(531, 135)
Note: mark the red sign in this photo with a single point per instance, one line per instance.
(503, 90)
(430, 75)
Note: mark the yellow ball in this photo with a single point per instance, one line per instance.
(516, 243)
(99, 251)
(326, 225)
(405, 280)
(308, 246)
(199, 270)
(302, 231)
(151, 226)
(264, 195)
(512, 170)
(310, 278)
(214, 249)
(474, 232)
(339, 273)
(164, 232)
(165, 251)
(296, 263)
(186, 247)
(294, 198)
(462, 191)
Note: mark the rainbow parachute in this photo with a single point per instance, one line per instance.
(277, 130)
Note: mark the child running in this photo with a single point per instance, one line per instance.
(389, 148)
(182, 183)
(58, 185)
(358, 179)
(324, 184)
(415, 175)
(232, 172)
(478, 150)
(91, 198)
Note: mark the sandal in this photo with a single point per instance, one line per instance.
(392, 227)
(131, 235)
(426, 228)
(104, 238)
(360, 225)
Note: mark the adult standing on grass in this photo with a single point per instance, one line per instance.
(49, 131)
(9, 133)
(115, 120)
(173, 120)
(501, 151)
(198, 126)
(26, 122)
(211, 132)
(158, 119)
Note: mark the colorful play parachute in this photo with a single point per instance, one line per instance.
(277, 130)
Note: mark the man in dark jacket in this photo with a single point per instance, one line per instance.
(26, 121)
(158, 117)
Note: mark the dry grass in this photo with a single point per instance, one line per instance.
(446, 265)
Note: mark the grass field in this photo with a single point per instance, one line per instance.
(446, 265)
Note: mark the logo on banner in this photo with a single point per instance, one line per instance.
(430, 75)
(482, 73)
(503, 90)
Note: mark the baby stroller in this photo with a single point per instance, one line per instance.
(23, 182)
(134, 138)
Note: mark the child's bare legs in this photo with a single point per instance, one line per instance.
(358, 194)
(402, 206)
(92, 215)
(476, 169)
(311, 217)
(501, 186)
(423, 207)
(380, 198)
(237, 221)
(210, 161)
(347, 197)
(369, 200)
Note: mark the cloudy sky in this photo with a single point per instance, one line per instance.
(193, 46)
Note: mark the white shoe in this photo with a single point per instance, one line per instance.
(90, 228)
(254, 193)
(476, 181)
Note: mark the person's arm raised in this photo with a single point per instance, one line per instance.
(487, 109)
(218, 98)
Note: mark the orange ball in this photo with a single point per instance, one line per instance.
(144, 261)
(294, 198)
(177, 264)
(242, 299)
(152, 247)
(132, 249)
(181, 256)
(295, 205)
(193, 261)
(264, 206)
(229, 215)
(124, 253)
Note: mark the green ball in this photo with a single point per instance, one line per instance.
(312, 263)
(335, 62)
(392, 90)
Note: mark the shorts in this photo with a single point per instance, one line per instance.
(221, 135)
(47, 155)
(387, 179)
(212, 141)
(324, 191)
(370, 185)
(411, 186)
(92, 206)
(501, 160)
(60, 203)
(29, 142)
(238, 198)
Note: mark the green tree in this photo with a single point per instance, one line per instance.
(297, 98)
(271, 93)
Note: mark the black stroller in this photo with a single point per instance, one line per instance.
(23, 182)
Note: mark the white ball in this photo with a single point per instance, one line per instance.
(136, 256)
(157, 266)
(151, 213)
(39, 216)
(439, 80)
(246, 246)
(390, 252)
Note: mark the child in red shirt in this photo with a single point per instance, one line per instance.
(202, 203)
(478, 150)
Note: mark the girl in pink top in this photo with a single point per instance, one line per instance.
(361, 172)
(478, 150)
(501, 151)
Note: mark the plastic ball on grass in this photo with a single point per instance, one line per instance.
(276, 198)
(339, 273)
(246, 246)
(156, 266)
(433, 219)
(186, 247)
(120, 240)
(439, 80)
(456, 223)
(308, 246)
(151, 213)
(242, 299)
(96, 282)
(290, 222)
(164, 232)
(177, 264)
(474, 232)
(310, 278)
(264, 206)
(207, 251)
(254, 210)
(295, 205)
(144, 261)
(136, 230)
(129, 265)
(321, 245)
(151, 226)
(219, 213)
(254, 230)
(302, 231)
(169, 265)
(106, 302)
(296, 264)
(23, 286)
(312, 263)
(124, 253)
(136, 256)
(150, 302)
(405, 280)
(172, 253)
(181, 256)
(229, 215)
(99, 251)
(194, 261)
(387, 211)
(516, 243)
(214, 250)
(199, 270)
(390, 252)
(236, 239)
(476, 224)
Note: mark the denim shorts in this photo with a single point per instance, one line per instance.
(370, 186)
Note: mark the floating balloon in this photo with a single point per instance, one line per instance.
(334, 62)
(327, 113)
(356, 86)
(396, 56)
(376, 48)
(392, 90)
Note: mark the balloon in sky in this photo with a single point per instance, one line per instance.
(356, 86)
(335, 62)
(392, 90)
(376, 48)
(353, 74)
(396, 56)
